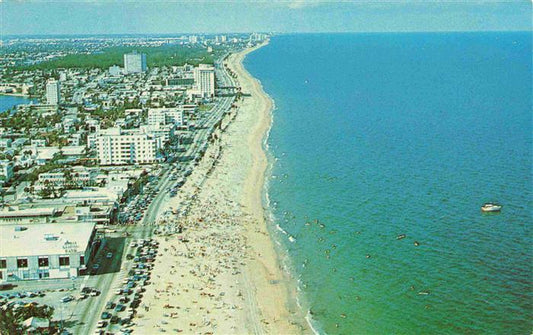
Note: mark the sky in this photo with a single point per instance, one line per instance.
(201, 16)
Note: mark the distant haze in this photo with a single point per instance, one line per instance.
(134, 17)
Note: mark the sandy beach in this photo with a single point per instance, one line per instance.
(221, 275)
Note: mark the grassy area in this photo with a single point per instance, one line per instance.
(205, 108)
(155, 56)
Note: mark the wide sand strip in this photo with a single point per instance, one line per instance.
(222, 275)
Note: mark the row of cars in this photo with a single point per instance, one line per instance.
(178, 181)
(21, 295)
(14, 300)
(85, 292)
(135, 209)
(120, 310)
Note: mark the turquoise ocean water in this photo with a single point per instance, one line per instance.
(376, 135)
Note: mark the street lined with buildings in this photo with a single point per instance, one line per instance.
(93, 173)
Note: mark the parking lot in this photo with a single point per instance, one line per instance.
(64, 295)
(76, 300)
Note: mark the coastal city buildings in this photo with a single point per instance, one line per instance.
(53, 95)
(134, 63)
(92, 163)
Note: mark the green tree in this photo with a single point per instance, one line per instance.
(9, 323)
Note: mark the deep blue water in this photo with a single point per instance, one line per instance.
(376, 135)
(8, 101)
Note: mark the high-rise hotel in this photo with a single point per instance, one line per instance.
(53, 95)
(134, 62)
(204, 79)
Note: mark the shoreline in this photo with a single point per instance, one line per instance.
(19, 95)
(277, 233)
(223, 274)
(259, 143)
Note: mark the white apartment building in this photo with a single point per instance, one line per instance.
(117, 147)
(164, 116)
(53, 96)
(134, 63)
(204, 79)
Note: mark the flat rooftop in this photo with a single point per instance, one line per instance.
(14, 212)
(44, 239)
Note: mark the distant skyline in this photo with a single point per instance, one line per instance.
(197, 16)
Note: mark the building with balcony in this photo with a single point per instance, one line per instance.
(117, 147)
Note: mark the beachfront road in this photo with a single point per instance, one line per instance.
(107, 282)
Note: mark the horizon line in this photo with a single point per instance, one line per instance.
(270, 32)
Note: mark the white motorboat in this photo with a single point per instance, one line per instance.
(491, 207)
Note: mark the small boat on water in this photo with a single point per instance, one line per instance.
(491, 207)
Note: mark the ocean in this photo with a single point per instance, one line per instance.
(379, 135)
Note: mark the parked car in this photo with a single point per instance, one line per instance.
(67, 298)
(86, 290)
(125, 321)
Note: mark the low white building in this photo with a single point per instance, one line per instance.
(162, 132)
(93, 195)
(79, 175)
(42, 251)
(115, 70)
(38, 143)
(12, 215)
(164, 116)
